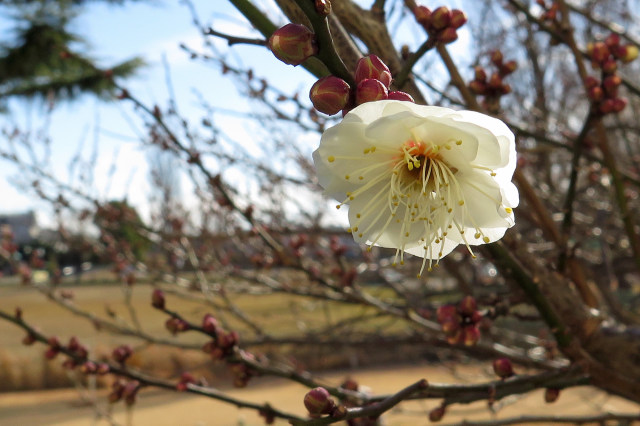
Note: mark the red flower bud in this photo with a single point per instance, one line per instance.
(458, 18)
(611, 84)
(495, 81)
(441, 18)
(157, 299)
(551, 395)
(122, 353)
(437, 413)
(610, 66)
(400, 96)
(330, 94)
(627, 53)
(450, 325)
(477, 87)
(323, 7)
(607, 106)
(423, 16)
(209, 324)
(448, 35)
(470, 335)
(480, 73)
(445, 312)
(619, 104)
(28, 340)
(503, 368)
(318, 401)
(508, 67)
(293, 44)
(370, 90)
(596, 94)
(612, 41)
(600, 52)
(372, 66)
(591, 82)
(468, 306)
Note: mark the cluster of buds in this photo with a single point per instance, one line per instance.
(441, 23)
(223, 342)
(78, 353)
(176, 325)
(460, 322)
(293, 44)
(121, 389)
(503, 368)
(297, 243)
(493, 87)
(605, 56)
(372, 77)
(90, 367)
(53, 348)
(319, 402)
(122, 353)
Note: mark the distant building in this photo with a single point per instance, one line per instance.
(23, 225)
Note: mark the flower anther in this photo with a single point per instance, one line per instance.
(420, 179)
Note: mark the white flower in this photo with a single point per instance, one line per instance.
(421, 179)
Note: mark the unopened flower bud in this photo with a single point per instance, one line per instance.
(370, 90)
(551, 395)
(477, 87)
(610, 66)
(456, 337)
(607, 106)
(102, 369)
(445, 312)
(130, 391)
(423, 15)
(441, 18)
(450, 325)
(371, 66)
(28, 340)
(468, 305)
(293, 44)
(505, 89)
(591, 81)
(503, 368)
(209, 324)
(619, 104)
(496, 58)
(508, 67)
(88, 367)
(157, 299)
(495, 81)
(612, 41)
(627, 53)
(448, 35)
(470, 335)
(596, 93)
(323, 7)
(122, 353)
(437, 413)
(330, 94)
(479, 73)
(611, 84)
(458, 18)
(397, 95)
(317, 401)
(600, 52)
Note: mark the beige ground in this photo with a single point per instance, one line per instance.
(161, 408)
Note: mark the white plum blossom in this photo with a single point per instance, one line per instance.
(421, 179)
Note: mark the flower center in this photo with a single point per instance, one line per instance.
(411, 197)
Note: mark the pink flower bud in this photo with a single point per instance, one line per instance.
(448, 35)
(88, 368)
(318, 401)
(122, 353)
(370, 90)
(458, 18)
(372, 66)
(468, 305)
(157, 299)
(503, 368)
(600, 52)
(330, 94)
(293, 44)
(209, 324)
(441, 18)
(423, 16)
(437, 413)
(551, 395)
(480, 73)
(397, 95)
